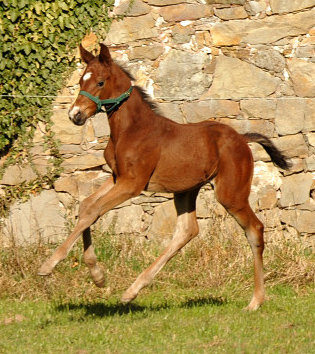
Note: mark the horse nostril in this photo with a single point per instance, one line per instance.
(74, 113)
(76, 117)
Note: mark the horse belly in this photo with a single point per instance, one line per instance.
(181, 176)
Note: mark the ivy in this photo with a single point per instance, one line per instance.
(37, 42)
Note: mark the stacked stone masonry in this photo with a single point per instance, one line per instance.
(248, 64)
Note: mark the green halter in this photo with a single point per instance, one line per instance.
(114, 102)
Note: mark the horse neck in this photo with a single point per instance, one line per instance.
(134, 113)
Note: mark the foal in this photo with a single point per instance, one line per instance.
(149, 152)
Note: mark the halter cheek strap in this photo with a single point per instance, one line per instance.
(113, 102)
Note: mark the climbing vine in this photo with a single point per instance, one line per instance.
(37, 42)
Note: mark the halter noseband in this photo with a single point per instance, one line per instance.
(114, 102)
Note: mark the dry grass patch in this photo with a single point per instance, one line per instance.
(217, 263)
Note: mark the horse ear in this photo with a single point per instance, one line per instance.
(105, 56)
(86, 55)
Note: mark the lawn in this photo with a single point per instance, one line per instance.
(195, 305)
(177, 323)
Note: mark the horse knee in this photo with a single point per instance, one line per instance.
(255, 236)
(189, 229)
(194, 229)
(84, 206)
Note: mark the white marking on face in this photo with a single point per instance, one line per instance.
(74, 111)
(87, 76)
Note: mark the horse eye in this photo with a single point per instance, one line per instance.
(100, 84)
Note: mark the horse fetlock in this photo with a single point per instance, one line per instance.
(98, 277)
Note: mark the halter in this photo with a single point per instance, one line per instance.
(114, 102)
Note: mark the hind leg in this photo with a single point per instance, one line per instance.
(254, 232)
(90, 259)
(237, 205)
(186, 229)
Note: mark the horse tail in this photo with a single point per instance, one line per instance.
(277, 156)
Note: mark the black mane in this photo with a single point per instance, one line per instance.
(145, 96)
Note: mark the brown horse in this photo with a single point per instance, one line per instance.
(149, 152)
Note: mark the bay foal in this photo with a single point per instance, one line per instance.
(149, 152)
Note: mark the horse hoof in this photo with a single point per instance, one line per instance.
(44, 270)
(100, 283)
(126, 298)
(253, 306)
(97, 276)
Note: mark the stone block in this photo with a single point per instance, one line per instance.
(231, 13)
(311, 138)
(292, 145)
(296, 189)
(164, 221)
(267, 198)
(186, 82)
(285, 6)
(229, 82)
(100, 125)
(259, 153)
(263, 31)
(65, 130)
(266, 177)
(298, 165)
(226, 2)
(66, 184)
(150, 52)
(270, 60)
(259, 108)
(40, 219)
(134, 8)
(164, 2)
(83, 162)
(302, 74)
(305, 52)
(74, 78)
(255, 7)
(207, 205)
(202, 110)
(289, 116)
(302, 220)
(271, 218)
(309, 118)
(182, 34)
(15, 175)
(131, 29)
(243, 126)
(171, 111)
(310, 163)
(129, 220)
(184, 12)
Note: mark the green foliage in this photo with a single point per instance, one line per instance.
(37, 39)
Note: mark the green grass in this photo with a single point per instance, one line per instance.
(195, 305)
(181, 323)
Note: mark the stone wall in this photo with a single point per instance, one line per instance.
(249, 64)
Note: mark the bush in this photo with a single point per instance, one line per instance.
(37, 41)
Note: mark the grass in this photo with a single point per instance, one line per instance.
(185, 324)
(195, 305)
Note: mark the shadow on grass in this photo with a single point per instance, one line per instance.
(100, 309)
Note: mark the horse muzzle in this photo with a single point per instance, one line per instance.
(76, 116)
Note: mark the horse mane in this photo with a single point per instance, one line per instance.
(145, 96)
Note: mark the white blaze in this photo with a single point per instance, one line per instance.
(87, 76)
